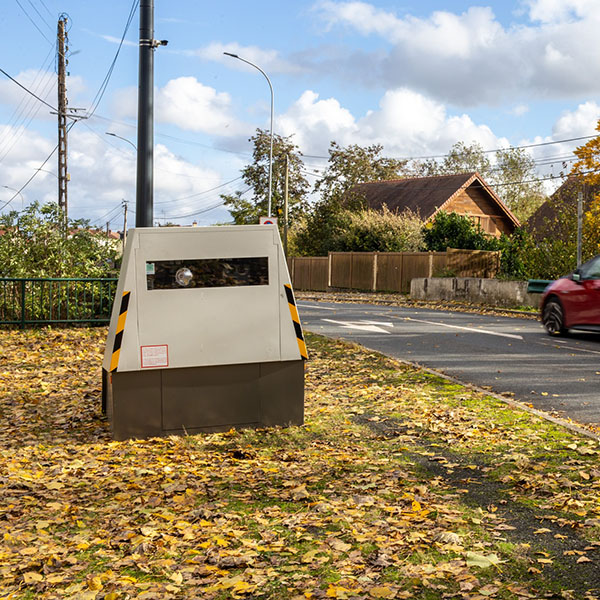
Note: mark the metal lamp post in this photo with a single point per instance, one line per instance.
(18, 192)
(272, 105)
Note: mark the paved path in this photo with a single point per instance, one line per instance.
(506, 354)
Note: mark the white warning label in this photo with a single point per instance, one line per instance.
(154, 356)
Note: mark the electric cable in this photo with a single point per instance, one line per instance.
(34, 23)
(40, 15)
(44, 5)
(99, 95)
(24, 114)
(27, 90)
(204, 210)
(30, 179)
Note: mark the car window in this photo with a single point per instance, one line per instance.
(591, 269)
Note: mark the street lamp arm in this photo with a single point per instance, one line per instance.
(12, 189)
(121, 138)
(272, 110)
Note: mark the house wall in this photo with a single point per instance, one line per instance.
(476, 203)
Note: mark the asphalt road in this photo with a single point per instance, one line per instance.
(505, 354)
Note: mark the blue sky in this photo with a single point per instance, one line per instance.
(414, 76)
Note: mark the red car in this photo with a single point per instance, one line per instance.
(573, 301)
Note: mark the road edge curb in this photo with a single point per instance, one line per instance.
(510, 401)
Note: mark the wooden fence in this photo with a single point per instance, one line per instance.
(309, 273)
(387, 271)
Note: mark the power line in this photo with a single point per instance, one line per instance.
(175, 138)
(200, 193)
(27, 109)
(112, 210)
(205, 210)
(34, 23)
(31, 178)
(44, 5)
(40, 15)
(27, 90)
(98, 98)
(408, 158)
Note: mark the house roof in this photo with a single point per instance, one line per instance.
(424, 195)
(546, 219)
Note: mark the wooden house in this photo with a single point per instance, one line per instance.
(551, 219)
(465, 194)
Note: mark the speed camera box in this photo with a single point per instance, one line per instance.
(204, 334)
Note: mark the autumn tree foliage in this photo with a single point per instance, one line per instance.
(587, 170)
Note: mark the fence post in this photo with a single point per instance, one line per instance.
(430, 267)
(375, 271)
(329, 269)
(23, 288)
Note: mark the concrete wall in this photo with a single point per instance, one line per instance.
(493, 292)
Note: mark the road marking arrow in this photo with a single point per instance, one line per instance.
(373, 326)
(476, 330)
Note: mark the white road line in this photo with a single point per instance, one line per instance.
(486, 331)
(372, 326)
(316, 307)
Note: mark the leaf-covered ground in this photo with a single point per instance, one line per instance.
(400, 485)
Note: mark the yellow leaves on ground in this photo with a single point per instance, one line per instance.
(364, 502)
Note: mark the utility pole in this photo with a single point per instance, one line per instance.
(285, 205)
(62, 119)
(579, 226)
(145, 142)
(124, 223)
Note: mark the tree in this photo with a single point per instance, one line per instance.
(33, 244)
(587, 168)
(352, 165)
(329, 217)
(515, 181)
(460, 159)
(381, 231)
(256, 177)
(359, 231)
(451, 230)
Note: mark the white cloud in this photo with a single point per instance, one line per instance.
(175, 179)
(115, 40)
(580, 122)
(103, 175)
(519, 110)
(268, 60)
(314, 123)
(549, 11)
(188, 104)
(470, 58)
(406, 124)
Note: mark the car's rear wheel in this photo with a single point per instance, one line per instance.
(553, 317)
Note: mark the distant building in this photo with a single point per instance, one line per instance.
(549, 219)
(465, 194)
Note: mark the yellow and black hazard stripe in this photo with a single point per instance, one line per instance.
(114, 361)
(296, 321)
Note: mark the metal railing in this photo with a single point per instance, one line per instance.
(64, 300)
